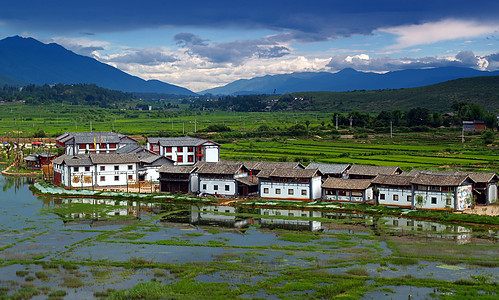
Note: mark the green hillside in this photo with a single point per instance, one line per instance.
(438, 97)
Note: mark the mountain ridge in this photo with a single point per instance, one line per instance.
(345, 80)
(31, 61)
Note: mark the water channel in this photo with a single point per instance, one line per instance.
(80, 247)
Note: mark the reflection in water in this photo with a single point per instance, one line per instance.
(14, 183)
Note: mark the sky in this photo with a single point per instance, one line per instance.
(201, 44)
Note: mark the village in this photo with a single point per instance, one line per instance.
(111, 161)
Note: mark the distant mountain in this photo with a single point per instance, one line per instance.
(30, 61)
(4, 80)
(345, 80)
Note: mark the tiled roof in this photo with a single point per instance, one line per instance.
(248, 180)
(90, 137)
(398, 180)
(439, 180)
(177, 169)
(221, 168)
(329, 168)
(373, 170)
(346, 184)
(177, 141)
(482, 177)
(130, 148)
(73, 160)
(289, 173)
(114, 158)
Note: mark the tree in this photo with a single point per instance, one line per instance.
(488, 137)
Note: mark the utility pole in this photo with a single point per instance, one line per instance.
(391, 129)
(183, 128)
(337, 122)
(351, 121)
(462, 136)
(195, 127)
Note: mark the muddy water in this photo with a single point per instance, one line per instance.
(85, 246)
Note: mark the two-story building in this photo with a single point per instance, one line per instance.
(95, 170)
(92, 142)
(185, 150)
(347, 190)
(290, 184)
(226, 179)
(394, 190)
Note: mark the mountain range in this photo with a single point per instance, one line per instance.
(28, 61)
(345, 80)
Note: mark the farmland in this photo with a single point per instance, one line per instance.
(433, 149)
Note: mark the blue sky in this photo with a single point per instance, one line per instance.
(203, 44)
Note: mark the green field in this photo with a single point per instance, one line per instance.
(435, 149)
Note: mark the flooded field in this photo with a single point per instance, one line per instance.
(55, 248)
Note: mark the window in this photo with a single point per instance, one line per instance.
(382, 196)
(433, 200)
(102, 168)
(130, 177)
(116, 168)
(87, 169)
(180, 158)
(448, 201)
(190, 149)
(304, 192)
(130, 167)
(204, 186)
(304, 215)
(410, 223)
(277, 191)
(112, 146)
(265, 190)
(190, 158)
(180, 149)
(227, 187)
(291, 214)
(75, 169)
(265, 213)
(168, 149)
(91, 146)
(215, 187)
(103, 178)
(409, 198)
(395, 222)
(82, 146)
(395, 197)
(290, 191)
(116, 178)
(277, 213)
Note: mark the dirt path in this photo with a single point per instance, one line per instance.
(489, 210)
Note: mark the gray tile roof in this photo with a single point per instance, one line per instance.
(289, 173)
(90, 137)
(481, 177)
(248, 180)
(346, 184)
(177, 141)
(220, 168)
(329, 168)
(373, 170)
(73, 160)
(130, 148)
(397, 180)
(439, 180)
(177, 169)
(114, 158)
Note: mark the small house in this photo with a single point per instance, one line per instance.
(393, 190)
(177, 179)
(290, 184)
(92, 142)
(441, 192)
(224, 179)
(185, 150)
(347, 190)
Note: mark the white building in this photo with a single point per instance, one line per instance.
(347, 190)
(99, 170)
(222, 178)
(394, 190)
(290, 184)
(453, 192)
(92, 142)
(185, 150)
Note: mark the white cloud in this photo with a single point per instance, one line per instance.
(83, 46)
(433, 32)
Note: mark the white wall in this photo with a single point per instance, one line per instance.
(441, 199)
(492, 193)
(284, 190)
(194, 182)
(210, 184)
(389, 196)
(212, 153)
(109, 174)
